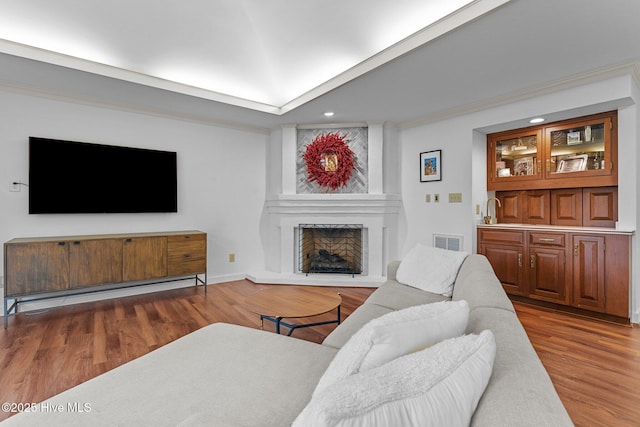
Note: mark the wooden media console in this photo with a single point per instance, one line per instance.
(49, 267)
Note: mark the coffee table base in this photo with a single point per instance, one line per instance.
(292, 326)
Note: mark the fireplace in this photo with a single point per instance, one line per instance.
(330, 248)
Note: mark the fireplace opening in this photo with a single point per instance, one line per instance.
(330, 248)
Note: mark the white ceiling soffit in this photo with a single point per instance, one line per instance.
(270, 56)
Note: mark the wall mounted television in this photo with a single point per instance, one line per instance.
(77, 177)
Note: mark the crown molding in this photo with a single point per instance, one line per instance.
(99, 103)
(629, 68)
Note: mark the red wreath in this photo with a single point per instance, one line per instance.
(329, 161)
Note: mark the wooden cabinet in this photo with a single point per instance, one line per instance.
(566, 207)
(580, 152)
(548, 272)
(588, 207)
(589, 270)
(94, 262)
(524, 207)
(187, 254)
(35, 266)
(144, 258)
(600, 206)
(505, 251)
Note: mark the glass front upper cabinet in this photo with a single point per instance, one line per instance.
(579, 149)
(516, 156)
(571, 153)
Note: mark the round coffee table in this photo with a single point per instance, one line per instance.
(293, 302)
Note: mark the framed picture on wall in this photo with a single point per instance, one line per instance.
(431, 166)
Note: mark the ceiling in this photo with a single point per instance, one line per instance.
(265, 63)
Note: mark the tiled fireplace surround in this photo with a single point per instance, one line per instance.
(376, 211)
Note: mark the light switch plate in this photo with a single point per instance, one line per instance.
(455, 197)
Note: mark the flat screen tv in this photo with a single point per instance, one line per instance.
(77, 177)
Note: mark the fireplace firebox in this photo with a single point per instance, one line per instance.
(330, 248)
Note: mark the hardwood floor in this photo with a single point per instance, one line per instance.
(594, 365)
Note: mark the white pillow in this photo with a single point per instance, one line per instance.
(439, 386)
(395, 334)
(430, 269)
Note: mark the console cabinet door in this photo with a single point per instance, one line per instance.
(588, 272)
(33, 268)
(144, 258)
(95, 262)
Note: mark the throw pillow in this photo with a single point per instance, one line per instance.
(430, 269)
(439, 386)
(395, 334)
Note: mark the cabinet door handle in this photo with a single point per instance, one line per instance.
(519, 260)
(547, 239)
(61, 243)
(576, 250)
(532, 261)
(548, 165)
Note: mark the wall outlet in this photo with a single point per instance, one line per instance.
(232, 257)
(455, 197)
(436, 198)
(427, 198)
(14, 185)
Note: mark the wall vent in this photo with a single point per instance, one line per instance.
(450, 242)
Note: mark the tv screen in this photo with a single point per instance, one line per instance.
(77, 177)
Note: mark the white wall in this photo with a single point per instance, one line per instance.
(221, 177)
(463, 140)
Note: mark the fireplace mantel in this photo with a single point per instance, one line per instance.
(366, 204)
(285, 209)
(377, 213)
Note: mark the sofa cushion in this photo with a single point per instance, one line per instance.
(396, 334)
(395, 295)
(220, 375)
(430, 269)
(439, 386)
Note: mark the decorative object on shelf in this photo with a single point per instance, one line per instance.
(523, 166)
(329, 160)
(431, 166)
(573, 164)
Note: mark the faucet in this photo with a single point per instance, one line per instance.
(488, 219)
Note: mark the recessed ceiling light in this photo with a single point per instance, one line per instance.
(537, 120)
(328, 114)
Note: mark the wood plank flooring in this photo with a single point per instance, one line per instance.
(594, 365)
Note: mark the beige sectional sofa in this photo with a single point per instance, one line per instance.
(229, 375)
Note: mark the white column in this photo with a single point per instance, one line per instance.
(289, 159)
(375, 142)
